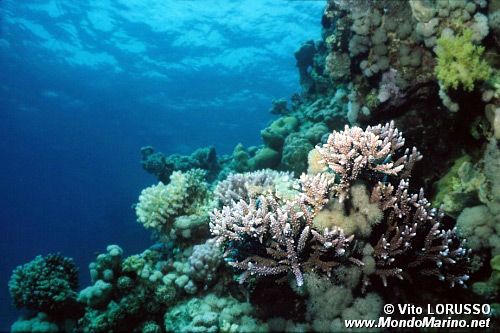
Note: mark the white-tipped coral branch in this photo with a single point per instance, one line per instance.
(278, 233)
(354, 150)
(414, 240)
(272, 235)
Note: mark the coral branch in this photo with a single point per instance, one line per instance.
(282, 229)
(351, 152)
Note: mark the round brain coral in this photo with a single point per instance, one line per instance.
(47, 283)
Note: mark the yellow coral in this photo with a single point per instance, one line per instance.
(160, 204)
(358, 220)
(459, 61)
(313, 161)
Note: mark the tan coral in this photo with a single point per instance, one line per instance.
(360, 217)
(314, 162)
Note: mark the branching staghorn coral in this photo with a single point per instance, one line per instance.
(355, 151)
(283, 230)
(272, 236)
(414, 240)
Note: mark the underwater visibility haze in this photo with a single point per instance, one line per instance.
(249, 166)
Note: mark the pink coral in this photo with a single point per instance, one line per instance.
(353, 151)
(269, 235)
(282, 229)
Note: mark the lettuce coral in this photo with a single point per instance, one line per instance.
(459, 61)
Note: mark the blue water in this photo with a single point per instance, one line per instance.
(85, 84)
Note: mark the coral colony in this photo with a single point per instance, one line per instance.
(285, 229)
(327, 220)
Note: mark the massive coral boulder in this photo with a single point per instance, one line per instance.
(47, 283)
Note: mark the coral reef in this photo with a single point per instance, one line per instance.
(326, 219)
(204, 262)
(329, 304)
(136, 291)
(479, 224)
(358, 218)
(162, 166)
(243, 186)
(279, 106)
(353, 151)
(490, 288)
(459, 187)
